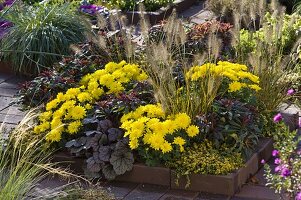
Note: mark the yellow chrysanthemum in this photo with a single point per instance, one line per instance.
(73, 127)
(192, 130)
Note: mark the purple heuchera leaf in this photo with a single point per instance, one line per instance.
(290, 92)
(275, 152)
(277, 118)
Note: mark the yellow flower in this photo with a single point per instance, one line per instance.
(45, 116)
(54, 136)
(52, 104)
(84, 96)
(192, 130)
(166, 147)
(134, 144)
(179, 141)
(235, 86)
(255, 87)
(73, 127)
(156, 141)
(56, 122)
(77, 112)
(73, 92)
(182, 120)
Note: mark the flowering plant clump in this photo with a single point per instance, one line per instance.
(149, 128)
(204, 158)
(286, 176)
(237, 74)
(65, 112)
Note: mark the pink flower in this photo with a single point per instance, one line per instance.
(262, 161)
(285, 172)
(277, 118)
(290, 92)
(277, 161)
(275, 152)
(298, 197)
(299, 122)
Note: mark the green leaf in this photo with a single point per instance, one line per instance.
(122, 162)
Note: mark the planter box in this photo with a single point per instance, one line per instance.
(148, 175)
(5, 67)
(218, 184)
(162, 13)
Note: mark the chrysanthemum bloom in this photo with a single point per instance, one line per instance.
(277, 118)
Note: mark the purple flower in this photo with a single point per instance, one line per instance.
(277, 161)
(278, 168)
(290, 92)
(285, 172)
(299, 123)
(262, 161)
(275, 152)
(298, 197)
(277, 118)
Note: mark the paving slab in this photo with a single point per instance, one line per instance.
(10, 119)
(4, 77)
(120, 189)
(202, 16)
(257, 193)
(12, 110)
(147, 192)
(179, 195)
(206, 196)
(192, 11)
(5, 102)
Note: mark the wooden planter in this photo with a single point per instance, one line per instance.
(217, 184)
(5, 67)
(162, 13)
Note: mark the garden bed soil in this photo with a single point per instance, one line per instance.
(217, 184)
(162, 13)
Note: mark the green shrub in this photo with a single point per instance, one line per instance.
(40, 36)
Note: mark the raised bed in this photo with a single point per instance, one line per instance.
(226, 184)
(162, 13)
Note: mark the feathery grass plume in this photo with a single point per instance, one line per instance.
(268, 58)
(23, 164)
